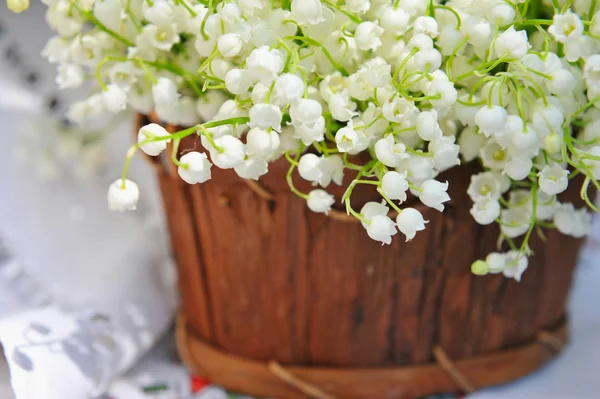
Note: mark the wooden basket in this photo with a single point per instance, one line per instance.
(281, 302)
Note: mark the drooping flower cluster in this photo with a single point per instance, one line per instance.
(419, 86)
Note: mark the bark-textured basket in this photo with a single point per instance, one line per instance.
(278, 301)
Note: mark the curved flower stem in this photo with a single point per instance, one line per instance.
(389, 201)
(326, 52)
(532, 221)
(177, 136)
(288, 176)
(174, 152)
(353, 17)
(91, 18)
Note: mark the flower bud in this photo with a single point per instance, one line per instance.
(480, 268)
(18, 6)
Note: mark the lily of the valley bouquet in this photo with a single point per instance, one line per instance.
(393, 91)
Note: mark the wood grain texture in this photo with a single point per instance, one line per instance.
(270, 280)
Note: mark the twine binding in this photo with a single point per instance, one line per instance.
(550, 341)
(448, 365)
(280, 372)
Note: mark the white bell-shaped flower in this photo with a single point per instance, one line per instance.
(149, 132)
(491, 119)
(233, 152)
(288, 88)
(485, 210)
(573, 222)
(159, 12)
(561, 83)
(409, 222)
(310, 133)
(496, 262)
(434, 193)
(229, 44)
(394, 185)
(547, 205)
(419, 167)
(348, 139)
(378, 72)
(262, 143)
(306, 111)
(237, 81)
(523, 136)
(389, 152)
(309, 167)
(518, 167)
(426, 25)
(265, 64)
(515, 221)
(372, 209)
(516, 264)
(195, 167)
(358, 6)
(123, 195)
(307, 12)
(70, 76)
(114, 98)
(265, 116)
(320, 201)
(484, 184)
(470, 142)
(394, 20)
(399, 110)
(252, 168)
(164, 92)
(427, 125)
(367, 35)
(332, 169)
(512, 43)
(553, 179)
(445, 153)
(382, 228)
(566, 27)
